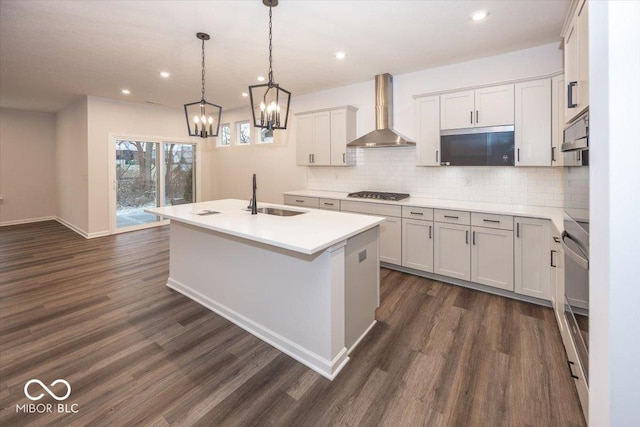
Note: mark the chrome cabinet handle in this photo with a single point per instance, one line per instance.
(299, 201)
(518, 229)
(570, 103)
(471, 117)
(553, 154)
(477, 116)
(430, 232)
(344, 157)
(416, 213)
(328, 204)
(473, 238)
(309, 158)
(467, 237)
(579, 156)
(492, 220)
(437, 156)
(450, 216)
(518, 154)
(552, 264)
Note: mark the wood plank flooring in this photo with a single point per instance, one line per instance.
(97, 313)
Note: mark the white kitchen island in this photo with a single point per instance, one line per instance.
(306, 284)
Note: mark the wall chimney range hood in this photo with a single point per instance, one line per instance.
(384, 135)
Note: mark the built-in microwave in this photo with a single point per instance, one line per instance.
(575, 141)
(488, 146)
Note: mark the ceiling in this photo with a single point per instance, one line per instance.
(54, 52)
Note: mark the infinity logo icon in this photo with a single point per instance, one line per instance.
(51, 393)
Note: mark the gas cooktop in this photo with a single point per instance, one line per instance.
(379, 195)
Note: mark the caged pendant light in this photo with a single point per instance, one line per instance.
(269, 101)
(203, 118)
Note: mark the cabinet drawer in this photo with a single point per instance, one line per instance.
(417, 213)
(310, 202)
(503, 222)
(452, 217)
(329, 204)
(371, 208)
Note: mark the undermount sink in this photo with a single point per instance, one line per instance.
(279, 212)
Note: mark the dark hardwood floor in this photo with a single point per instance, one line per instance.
(97, 313)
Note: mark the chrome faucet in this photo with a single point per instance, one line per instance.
(253, 204)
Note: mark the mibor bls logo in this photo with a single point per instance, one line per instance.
(47, 408)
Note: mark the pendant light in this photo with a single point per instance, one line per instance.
(269, 101)
(203, 118)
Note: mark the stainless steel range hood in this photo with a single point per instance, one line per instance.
(384, 135)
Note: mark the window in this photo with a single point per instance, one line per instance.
(243, 134)
(266, 136)
(224, 140)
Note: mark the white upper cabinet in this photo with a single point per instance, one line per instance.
(490, 106)
(428, 145)
(322, 137)
(557, 119)
(576, 62)
(533, 123)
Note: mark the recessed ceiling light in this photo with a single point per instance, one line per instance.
(479, 15)
(165, 74)
(340, 55)
(245, 94)
(260, 78)
(126, 91)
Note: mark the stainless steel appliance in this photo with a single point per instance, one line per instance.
(379, 195)
(576, 135)
(575, 242)
(384, 135)
(488, 146)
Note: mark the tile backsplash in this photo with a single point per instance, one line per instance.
(393, 169)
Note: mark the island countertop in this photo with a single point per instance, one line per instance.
(308, 233)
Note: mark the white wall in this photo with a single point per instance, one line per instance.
(27, 166)
(122, 118)
(614, 341)
(274, 164)
(72, 167)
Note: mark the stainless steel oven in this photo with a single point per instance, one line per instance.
(575, 242)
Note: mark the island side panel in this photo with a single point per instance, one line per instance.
(290, 300)
(362, 287)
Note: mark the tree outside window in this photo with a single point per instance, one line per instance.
(244, 133)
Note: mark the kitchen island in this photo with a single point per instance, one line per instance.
(308, 284)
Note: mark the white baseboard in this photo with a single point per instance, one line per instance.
(355, 344)
(327, 368)
(72, 227)
(27, 221)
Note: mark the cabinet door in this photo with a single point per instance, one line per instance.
(343, 131)
(391, 241)
(417, 244)
(533, 123)
(557, 119)
(532, 257)
(457, 110)
(321, 154)
(583, 55)
(428, 146)
(452, 250)
(571, 71)
(492, 257)
(304, 140)
(494, 106)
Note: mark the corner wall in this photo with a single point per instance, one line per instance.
(72, 167)
(27, 166)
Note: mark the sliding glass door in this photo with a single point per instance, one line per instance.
(151, 174)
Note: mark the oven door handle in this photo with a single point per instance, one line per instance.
(582, 261)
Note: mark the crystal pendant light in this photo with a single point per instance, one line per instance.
(203, 118)
(269, 101)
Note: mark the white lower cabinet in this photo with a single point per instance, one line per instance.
(452, 250)
(532, 257)
(492, 257)
(309, 202)
(417, 244)
(391, 241)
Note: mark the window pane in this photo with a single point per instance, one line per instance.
(179, 173)
(137, 182)
(225, 135)
(244, 133)
(266, 136)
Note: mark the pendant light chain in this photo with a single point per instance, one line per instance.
(270, 50)
(203, 69)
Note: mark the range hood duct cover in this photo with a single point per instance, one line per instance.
(384, 135)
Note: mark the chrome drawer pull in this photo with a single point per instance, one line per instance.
(416, 213)
(492, 220)
(450, 216)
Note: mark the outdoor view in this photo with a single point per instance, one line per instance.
(139, 174)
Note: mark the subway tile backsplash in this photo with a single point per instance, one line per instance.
(393, 169)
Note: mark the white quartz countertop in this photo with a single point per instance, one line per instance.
(555, 215)
(308, 233)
